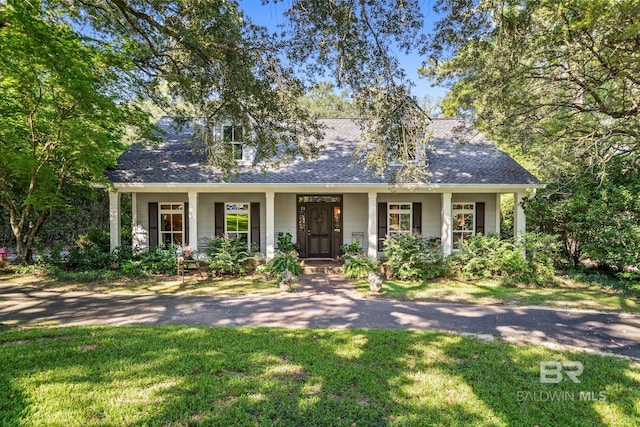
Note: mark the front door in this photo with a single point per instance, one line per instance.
(320, 223)
(319, 228)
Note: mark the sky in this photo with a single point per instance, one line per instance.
(271, 15)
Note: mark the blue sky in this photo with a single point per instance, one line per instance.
(271, 15)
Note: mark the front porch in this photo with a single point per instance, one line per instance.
(319, 221)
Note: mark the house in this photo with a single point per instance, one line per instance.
(323, 202)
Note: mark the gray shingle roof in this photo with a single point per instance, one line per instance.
(475, 161)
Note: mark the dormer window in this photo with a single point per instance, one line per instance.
(233, 136)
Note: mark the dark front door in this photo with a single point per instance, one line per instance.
(320, 223)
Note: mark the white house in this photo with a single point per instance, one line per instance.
(323, 202)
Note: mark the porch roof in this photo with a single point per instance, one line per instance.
(458, 157)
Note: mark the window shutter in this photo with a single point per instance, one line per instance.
(186, 223)
(255, 225)
(219, 214)
(153, 224)
(417, 218)
(382, 224)
(480, 218)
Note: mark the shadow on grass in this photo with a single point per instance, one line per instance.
(262, 376)
(583, 296)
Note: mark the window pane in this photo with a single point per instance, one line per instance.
(177, 222)
(405, 222)
(176, 207)
(394, 207)
(227, 133)
(166, 239)
(457, 206)
(394, 222)
(232, 222)
(237, 133)
(405, 207)
(165, 207)
(177, 239)
(165, 222)
(468, 221)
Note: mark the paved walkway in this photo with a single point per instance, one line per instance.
(326, 301)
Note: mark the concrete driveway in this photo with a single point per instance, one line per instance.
(326, 302)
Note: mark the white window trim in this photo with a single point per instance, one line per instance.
(171, 211)
(462, 211)
(399, 211)
(247, 211)
(247, 152)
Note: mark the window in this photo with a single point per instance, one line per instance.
(172, 224)
(233, 136)
(463, 222)
(237, 223)
(399, 218)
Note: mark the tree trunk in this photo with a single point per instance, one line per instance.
(25, 236)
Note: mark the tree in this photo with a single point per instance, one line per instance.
(322, 101)
(598, 219)
(226, 68)
(72, 68)
(59, 125)
(557, 78)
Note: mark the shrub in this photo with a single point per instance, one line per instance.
(359, 266)
(411, 257)
(350, 249)
(88, 259)
(227, 256)
(485, 257)
(284, 261)
(285, 243)
(155, 260)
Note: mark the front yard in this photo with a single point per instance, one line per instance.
(565, 293)
(173, 375)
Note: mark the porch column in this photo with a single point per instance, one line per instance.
(193, 220)
(519, 219)
(446, 236)
(498, 214)
(270, 223)
(134, 221)
(114, 219)
(372, 226)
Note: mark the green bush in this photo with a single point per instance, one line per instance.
(350, 249)
(227, 256)
(411, 257)
(88, 259)
(486, 257)
(359, 266)
(284, 261)
(155, 260)
(285, 243)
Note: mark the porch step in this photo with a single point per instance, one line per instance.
(326, 267)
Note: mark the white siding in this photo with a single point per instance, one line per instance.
(285, 214)
(354, 217)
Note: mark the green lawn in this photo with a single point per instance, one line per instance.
(192, 284)
(567, 293)
(292, 377)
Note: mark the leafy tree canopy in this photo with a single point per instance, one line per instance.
(558, 78)
(59, 123)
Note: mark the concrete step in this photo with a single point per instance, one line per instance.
(325, 267)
